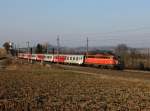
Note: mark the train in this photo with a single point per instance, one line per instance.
(109, 61)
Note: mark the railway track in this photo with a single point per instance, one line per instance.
(138, 71)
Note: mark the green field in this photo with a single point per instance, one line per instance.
(37, 88)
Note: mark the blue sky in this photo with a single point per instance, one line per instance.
(104, 22)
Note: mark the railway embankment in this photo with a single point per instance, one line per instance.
(4, 62)
(5, 59)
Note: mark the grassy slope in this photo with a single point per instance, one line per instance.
(2, 52)
(55, 89)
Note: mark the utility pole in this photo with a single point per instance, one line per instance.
(47, 48)
(148, 57)
(87, 46)
(18, 48)
(28, 50)
(15, 50)
(28, 46)
(58, 45)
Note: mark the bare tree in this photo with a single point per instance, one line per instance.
(121, 49)
(45, 47)
(39, 49)
(133, 55)
(6, 45)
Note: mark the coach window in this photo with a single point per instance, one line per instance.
(76, 58)
(65, 58)
(102, 57)
(70, 58)
(73, 58)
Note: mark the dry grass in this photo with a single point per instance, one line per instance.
(2, 52)
(38, 88)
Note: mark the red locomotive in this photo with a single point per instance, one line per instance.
(104, 61)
